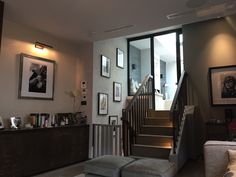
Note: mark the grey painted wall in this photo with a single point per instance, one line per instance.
(105, 85)
(135, 58)
(207, 44)
(163, 73)
(145, 63)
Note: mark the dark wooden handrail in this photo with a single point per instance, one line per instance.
(177, 107)
(134, 113)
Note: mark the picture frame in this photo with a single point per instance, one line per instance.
(15, 122)
(102, 104)
(1, 123)
(113, 120)
(105, 66)
(117, 91)
(223, 85)
(119, 58)
(36, 78)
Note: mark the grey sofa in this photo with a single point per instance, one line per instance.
(216, 157)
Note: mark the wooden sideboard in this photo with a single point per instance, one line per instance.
(32, 151)
(217, 131)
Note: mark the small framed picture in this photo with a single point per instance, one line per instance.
(102, 103)
(117, 91)
(105, 66)
(36, 77)
(113, 120)
(119, 58)
(15, 122)
(223, 85)
(1, 123)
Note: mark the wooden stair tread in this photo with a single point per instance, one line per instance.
(161, 136)
(153, 126)
(158, 118)
(150, 146)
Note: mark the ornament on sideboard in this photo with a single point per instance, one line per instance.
(228, 115)
(15, 122)
(1, 123)
(81, 118)
(75, 95)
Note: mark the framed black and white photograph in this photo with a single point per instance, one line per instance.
(105, 66)
(113, 120)
(1, 123)
(102, 103)
(36, 77)
(117, 91)
(119, 58)
(223, 85)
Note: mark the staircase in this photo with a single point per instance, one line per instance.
(149, 133)
(155, 137)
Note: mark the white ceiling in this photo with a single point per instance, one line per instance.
(91, 20)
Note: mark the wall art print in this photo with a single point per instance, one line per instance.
(36, 77)
(223, 85)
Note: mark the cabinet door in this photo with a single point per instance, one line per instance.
(60, 147)
(80, 140)
(11, 156)
(37, 154)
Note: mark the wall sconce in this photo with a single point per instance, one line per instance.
(41, 46)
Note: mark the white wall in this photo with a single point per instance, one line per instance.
(105, 85)
(18, 39)
(171, 79)
(85, 72)
(216, 47)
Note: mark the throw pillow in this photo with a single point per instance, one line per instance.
(231, 169)
(232, 159)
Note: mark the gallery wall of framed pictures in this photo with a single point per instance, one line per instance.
(108, 65)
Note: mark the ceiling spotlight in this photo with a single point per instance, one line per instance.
(41, 46)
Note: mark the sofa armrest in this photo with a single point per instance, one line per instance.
(216, 157)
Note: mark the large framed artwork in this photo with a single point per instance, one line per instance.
(102, 103)
(105, 66)
(223, 85)
(117, 91)
(119, 58)
(36, 77)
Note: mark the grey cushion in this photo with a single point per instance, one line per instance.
(108, 165)
(149, 168)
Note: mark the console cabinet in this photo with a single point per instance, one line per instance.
(29, 152)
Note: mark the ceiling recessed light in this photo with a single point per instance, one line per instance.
(118, 28)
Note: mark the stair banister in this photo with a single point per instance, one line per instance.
(134, 113)
(177, 107)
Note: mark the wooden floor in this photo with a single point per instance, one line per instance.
(193, 168)
(70, 171)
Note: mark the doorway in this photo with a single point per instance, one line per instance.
(165, 69)
(160, 55)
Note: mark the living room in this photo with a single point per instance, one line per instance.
(207, 44)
